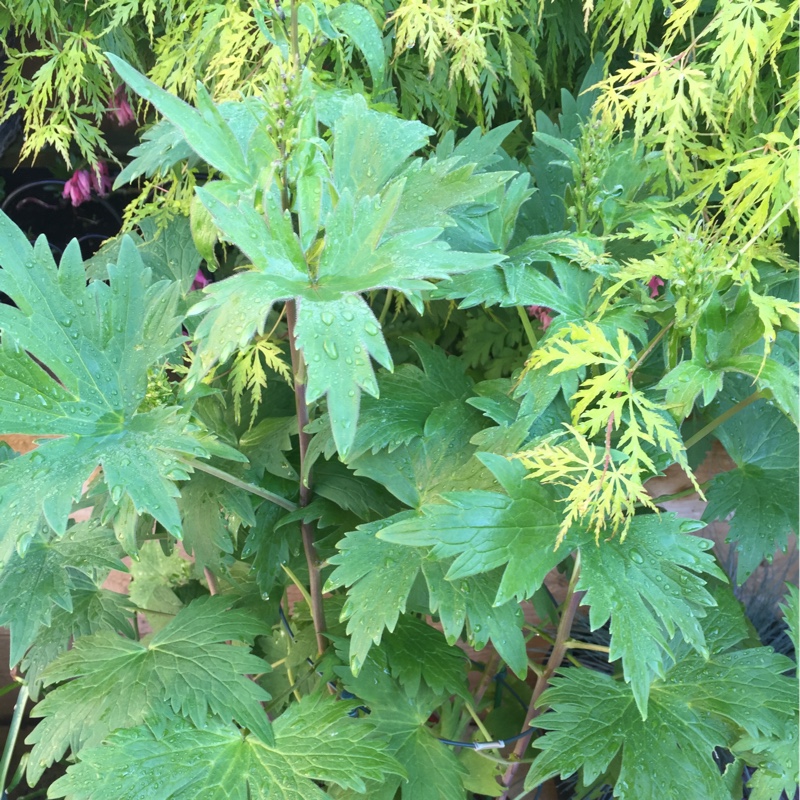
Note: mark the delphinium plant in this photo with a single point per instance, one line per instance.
(428, 376)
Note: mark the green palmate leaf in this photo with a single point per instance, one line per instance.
(683, 385)
(334, 333)
(381, 576)
(356, 23)
(155, 574)
(96, 343)
(417, 653)
(373, 240)
(762, 492)
(485, 530)
(205, 131)
(93, 609)
(777, 761)
(315, 741)
(408, 397)
(697, 707)
(168, 252)
(791, 612)
(440, 460)
(205, 503)
(649, 586)
(186, 669)
(33, 586)
(432, 771)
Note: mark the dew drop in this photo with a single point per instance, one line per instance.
(637, 557)
(330, 348)
(327, 317)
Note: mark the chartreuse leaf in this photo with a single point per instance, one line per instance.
(96, 343)
(485, 530)
(432, 770)
(762, 492)
(315, 741)
(698, 706)
(33, 586)
(186, 668)
(649, 585)
(380, 577)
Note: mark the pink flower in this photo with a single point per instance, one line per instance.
(543, 314)
(101, 180)
(79, 187)
(120, 109)
(654, 284)
(199, 281)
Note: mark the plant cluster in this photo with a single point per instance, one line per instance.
(431, 374)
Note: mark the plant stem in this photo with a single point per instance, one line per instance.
(213, 588)
(666, 498)
(724, 417)
(387, 304)
(306, 528)
(234, 481)
(649, 349)
(293, 34)
(526, 324)
(571, 603)
(13, 732)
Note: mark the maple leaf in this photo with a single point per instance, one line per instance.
(33, 586)
(315, 741)
(698, 706)
(186, 668)
(74, 361)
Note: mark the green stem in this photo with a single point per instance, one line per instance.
(387, 303)
(724, 417)
(306, 528)
(667, 498)
(247, 487)
(526, 324)
(13, 733)
(649, 349)
(293, 34)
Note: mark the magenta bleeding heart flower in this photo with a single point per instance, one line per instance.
(654, 284)
(78, 189)
(541, 313)
(200, 281)
(120, 109)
